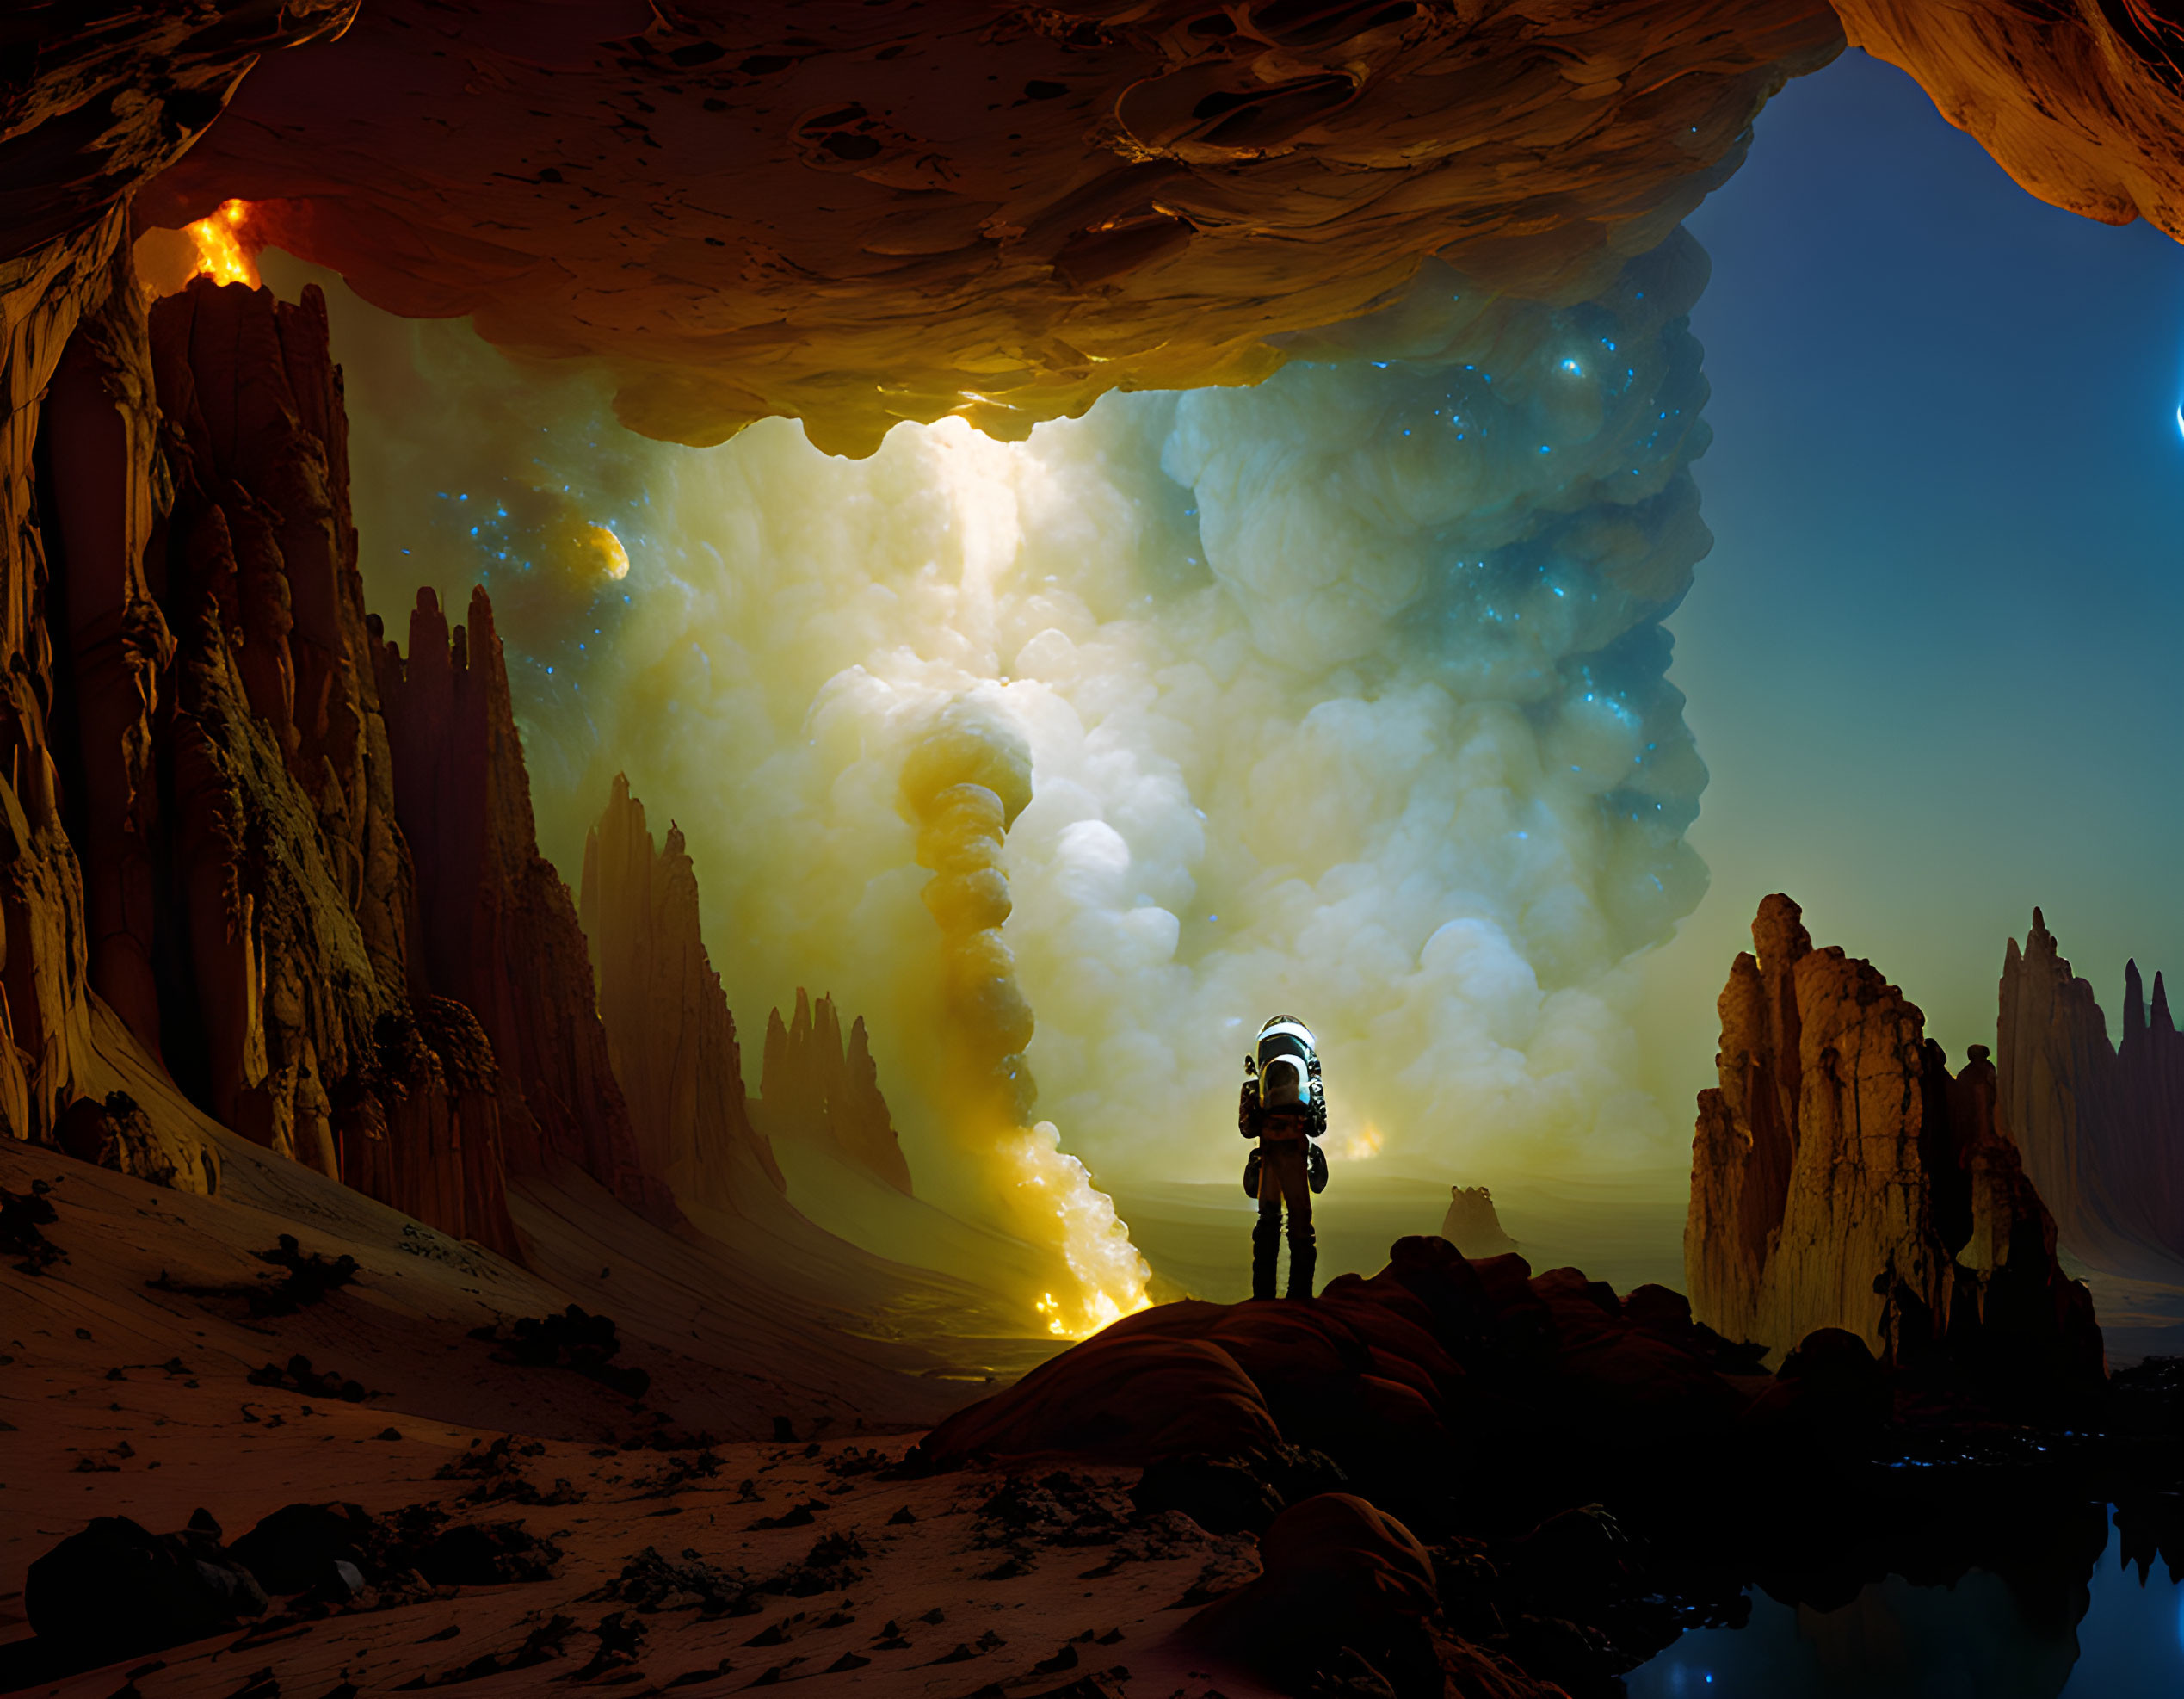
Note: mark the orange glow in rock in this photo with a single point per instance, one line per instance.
(219, 242)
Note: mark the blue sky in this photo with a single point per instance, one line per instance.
(1934, 661)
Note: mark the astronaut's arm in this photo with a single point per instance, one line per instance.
(1247, 1110)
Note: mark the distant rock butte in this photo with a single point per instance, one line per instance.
(1471, 1224)
(812, 1087)
(2102, 1129)
(496, 925)
(670, 1033)
(1842, 1179)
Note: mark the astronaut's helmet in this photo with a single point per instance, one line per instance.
(1288, 1067)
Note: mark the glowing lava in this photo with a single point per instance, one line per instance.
(218, 243)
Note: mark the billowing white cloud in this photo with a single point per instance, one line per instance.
(1345, 697)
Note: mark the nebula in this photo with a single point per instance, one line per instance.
(1345, 693)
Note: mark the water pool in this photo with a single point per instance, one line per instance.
(1971, 1641)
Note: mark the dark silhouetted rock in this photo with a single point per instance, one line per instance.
(114, 1133)
(1223, 1495)
(297, 1546)
(117, 1590)
(1338, 1576)
(812, 1087)
(486, 1555)
(1131, 1395)
(2101, 1129)
(1471, 1224)
(576, 1340)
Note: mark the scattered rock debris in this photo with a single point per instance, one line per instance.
(496, 1477)
(298, 1375)
(543, 1642)
(651, 1583)
(576, 1340)
(23, 1216)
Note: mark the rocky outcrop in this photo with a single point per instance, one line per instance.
(2102, 1129)
(90, 107)
(209, 738)
(422, 1131)
(1842, 1179)
(1471, 1224)
(2081, 100)
(259, 938)
(495, 926)
(857, 214)
(670, 1035)
(814, 1088)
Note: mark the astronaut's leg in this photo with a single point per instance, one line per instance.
(1303, 1251)
(1266, 1233)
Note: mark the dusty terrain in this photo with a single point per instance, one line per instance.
(125, 1398)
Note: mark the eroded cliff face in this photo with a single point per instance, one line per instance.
(2081, 100)
(669, 1034)
(2101, 1129)
(208, 735)
(814, 1087)
(90, 107)
(853, 212)
(221, 759)
(1842, 1177)
(495, 926)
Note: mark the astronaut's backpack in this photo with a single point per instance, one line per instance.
(1286, 1067)
(1283, 1071)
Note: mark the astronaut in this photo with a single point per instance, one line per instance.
(1284, 1107)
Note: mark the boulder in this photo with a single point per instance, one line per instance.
(1340, 1581)
(300, 1546)
(116, 1589)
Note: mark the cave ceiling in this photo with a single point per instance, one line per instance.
(857, 212)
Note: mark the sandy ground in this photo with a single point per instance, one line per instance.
(124, 1391)
(953, 1633)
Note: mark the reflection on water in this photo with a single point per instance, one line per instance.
(1972, 1641)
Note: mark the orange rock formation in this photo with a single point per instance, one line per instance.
(496, 927)
(670, 1033)
(1840, 1177)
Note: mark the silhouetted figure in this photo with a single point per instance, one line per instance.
(1284, 1106)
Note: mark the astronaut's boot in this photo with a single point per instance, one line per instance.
(1265, 1242)
(1303, 1257)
